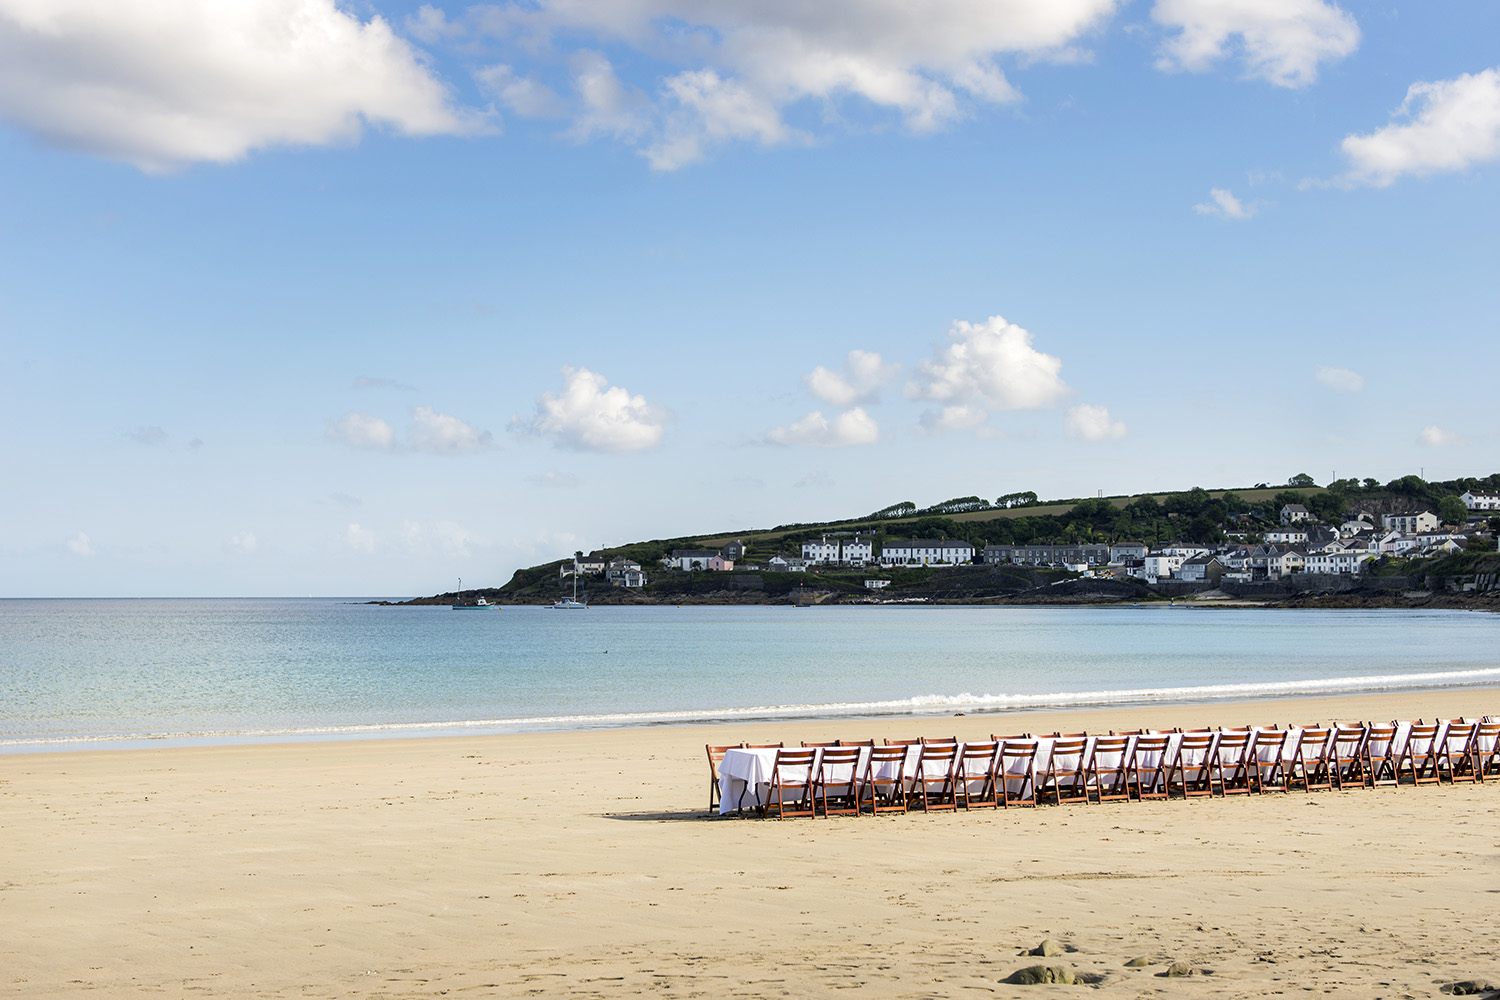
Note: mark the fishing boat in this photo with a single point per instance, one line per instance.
(475, 603)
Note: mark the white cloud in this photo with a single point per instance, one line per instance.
(430, 431)
(523, 95)
(1446, 125)
(1340, 379)
(959, 417)
(989, 365)
(80, 545)
(442, 434)
(1281, 41)
(863, 375)
(359, 539)
(735, 68)
(444, 537)
(1437, 437)
(148, 435)
(1224, 205)
(360, 430)
(591, 415)
(164, 83)
(848, 428)
(241, 541)
(1092, 423)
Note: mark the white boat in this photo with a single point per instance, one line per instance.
(477, 603)
(572, 603)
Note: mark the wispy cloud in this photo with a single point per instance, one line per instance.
(851, 427)
(147, 435)
(1223, 204)
(859, 381)
(1093, 423)
(80, 545)
(430, 431)
(1340, 379)
(1437, 437)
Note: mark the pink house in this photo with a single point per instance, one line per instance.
(719, 564)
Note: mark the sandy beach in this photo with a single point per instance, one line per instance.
(585, 864)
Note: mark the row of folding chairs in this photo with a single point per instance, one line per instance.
(850, 777)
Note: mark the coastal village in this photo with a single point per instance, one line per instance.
(1312, 545)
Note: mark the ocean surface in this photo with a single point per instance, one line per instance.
(106, 673)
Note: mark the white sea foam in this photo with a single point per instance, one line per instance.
(929, 704)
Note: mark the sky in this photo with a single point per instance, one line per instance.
(303, 297)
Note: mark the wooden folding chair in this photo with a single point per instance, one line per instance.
(903, 743)
(791, 772)
(1017, 765)
(818, 746)
(1234, 762)
(836, 781)
(1066, 775)
(974, 772)
(1487, 750)
(856, 743)
(715, 758)
(1191, 771)
(939, 741)
(1266, 760)
(1456, 751)
(1380, 755)
(1310, 768)
(1419, 756)
(1148, 766)
(885, 779)
(934, 781)
(1347, 756)
(761, 746)
(1111, 760)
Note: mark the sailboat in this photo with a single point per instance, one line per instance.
(460, 603)
(572, 603)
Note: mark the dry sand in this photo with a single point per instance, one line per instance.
(585, 865)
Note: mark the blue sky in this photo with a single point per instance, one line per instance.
(303, 298)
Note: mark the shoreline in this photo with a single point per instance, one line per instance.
(1481, 690)
(766, 716)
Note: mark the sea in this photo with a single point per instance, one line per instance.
(120, 673)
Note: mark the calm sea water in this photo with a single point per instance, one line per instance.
(117, 672)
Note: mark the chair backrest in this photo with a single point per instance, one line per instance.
(1013, 749)
(977, 757)
(1487, 737)
(1421, 734)
(903, 743)
(1129, 732)
(762, 746)
(1269, 743)
(1068, 736)
(839, 757)
(1108, 746)
(939, 740)
(1380, 738)
(1313, 739)
(832, 744)
(1195, 746)
(1151, 744)
(1205, 729)
(1348, 741)
(1003, 739)
(1067, 749)
(856, 743)
(889, 755)
(1459, 736)
(1234, 745)
(716, 756)
(794, 758)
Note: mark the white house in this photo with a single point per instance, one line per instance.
(625, 573)
(1293, 512)
(1289, 535)
(1480, 501)
(1185, 549)
(1410, 524)
(781, 564)
(824, 550)
(857, 550)
(926, 552)
(1120, 552)
(690, 559)
(1355, 527)
(1394, 543)
(1160, 566)
(1349, 562)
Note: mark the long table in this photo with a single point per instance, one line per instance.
(745, 773)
